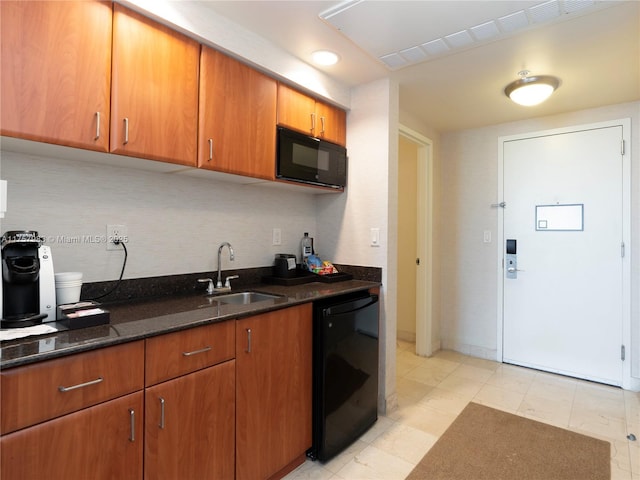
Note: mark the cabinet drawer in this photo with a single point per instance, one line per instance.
(39, 392)
(174, 354)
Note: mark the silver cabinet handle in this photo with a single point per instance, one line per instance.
(313, 122)
(161, 424)
(210, 149)
(248, 340)
(126, 131)
(322, 125)
(195, 352)
(80, 385)
(132, 430)
(97, 126)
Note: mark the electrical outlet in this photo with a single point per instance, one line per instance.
(276, 236)
(116, 232)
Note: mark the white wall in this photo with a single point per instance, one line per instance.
(344, 221)
(468, 178)
(175, 223)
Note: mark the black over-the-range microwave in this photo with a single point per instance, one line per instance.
(306, 159)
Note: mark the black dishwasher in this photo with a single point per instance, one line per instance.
(345, 371)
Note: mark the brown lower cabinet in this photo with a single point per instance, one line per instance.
(198, 413)
(273, 400)
(189, 426)
(100, 442)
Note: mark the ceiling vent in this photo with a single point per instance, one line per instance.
(418, 32)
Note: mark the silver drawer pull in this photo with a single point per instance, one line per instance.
(132, 427)
(195, 352)
(161, 424)
(126, 131)
(80, 385)
(97, 126)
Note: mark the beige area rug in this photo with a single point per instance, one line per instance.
(488, 444)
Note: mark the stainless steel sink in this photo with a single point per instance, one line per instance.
(244, 298)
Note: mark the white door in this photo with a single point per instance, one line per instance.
(421, 210)
(564, 208)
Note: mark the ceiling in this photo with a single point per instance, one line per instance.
(452, 59)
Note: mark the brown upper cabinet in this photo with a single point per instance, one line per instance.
(313, 117)
(237, 116)
(55, 63)
(154, 91)
(98, 76)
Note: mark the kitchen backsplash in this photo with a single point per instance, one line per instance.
(150, 287)
(175, 223)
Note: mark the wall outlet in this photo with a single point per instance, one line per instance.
(276, 235)
(118, 232)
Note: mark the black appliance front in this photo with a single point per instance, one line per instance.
(20, 274)
(345, 372)
(306, 159)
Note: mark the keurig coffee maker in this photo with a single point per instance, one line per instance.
(28, 283)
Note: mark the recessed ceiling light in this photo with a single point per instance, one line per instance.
(325, 57)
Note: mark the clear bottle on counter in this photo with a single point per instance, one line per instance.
(306, 245)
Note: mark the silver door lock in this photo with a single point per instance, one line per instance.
(511, 259)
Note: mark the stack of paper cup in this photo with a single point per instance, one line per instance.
(68, 286)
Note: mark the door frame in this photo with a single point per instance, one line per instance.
(627, 381)
(424, 210)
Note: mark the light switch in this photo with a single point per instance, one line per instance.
(375, 237)
(276, 235)
(487, 236)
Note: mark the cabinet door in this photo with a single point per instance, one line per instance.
(190, 430)
(273, 400)
(101, 442)
(237, 117)
(154, 92)
(303, 113)
(55, 65)
(331, 123)
(296, 110)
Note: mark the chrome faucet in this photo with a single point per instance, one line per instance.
(227, 286)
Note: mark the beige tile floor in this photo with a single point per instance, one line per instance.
(433, 391)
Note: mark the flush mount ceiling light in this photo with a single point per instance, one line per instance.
(532, 90)
(325, 57)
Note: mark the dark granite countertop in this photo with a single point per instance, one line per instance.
(134, 320)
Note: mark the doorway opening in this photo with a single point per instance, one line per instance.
(415, 242)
